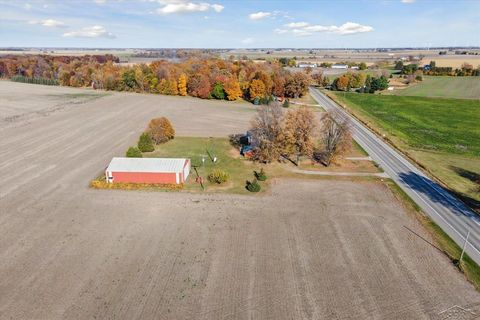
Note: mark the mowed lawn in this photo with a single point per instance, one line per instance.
(229, 160)
(441, 134)
(445, 87)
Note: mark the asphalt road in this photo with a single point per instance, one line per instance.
(452, 215)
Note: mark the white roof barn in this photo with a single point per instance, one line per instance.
(148, 170)
(146, 165)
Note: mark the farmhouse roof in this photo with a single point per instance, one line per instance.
(146, 165)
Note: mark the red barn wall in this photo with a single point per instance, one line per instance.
(144, 177)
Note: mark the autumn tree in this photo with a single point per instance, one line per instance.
(298, 132)
(257, 89)
(182, 85)
(198, 85)
(317, 78)
(160, 130)
(297, 85)
(266, 79)
(357, 80)
(342, 83)
(267, 133)
(278, 85)
(168, 87)
(232, 89)
(335, 138)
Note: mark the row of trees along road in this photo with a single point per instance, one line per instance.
(198, 77)
(364, 83)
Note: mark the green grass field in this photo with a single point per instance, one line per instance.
(445, 87)
(441, 134)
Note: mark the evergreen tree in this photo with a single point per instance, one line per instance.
(145, 143)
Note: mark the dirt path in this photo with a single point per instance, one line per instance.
(309, 250)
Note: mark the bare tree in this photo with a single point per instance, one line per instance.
(267, 133)
(335, 139)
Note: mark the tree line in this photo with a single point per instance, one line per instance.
(206, 78)
(360, 82)
(431, 69)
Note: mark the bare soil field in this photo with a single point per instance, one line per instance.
(310, 249)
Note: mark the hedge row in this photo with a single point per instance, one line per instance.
(44, 81)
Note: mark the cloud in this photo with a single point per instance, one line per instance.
(100, 1)
(49, 23)
(248, 41)
(296, 24)
(90, 32)
(301, 32)
(183, 6)
(259, 15)
(27, 6)
(407, 1)
(306, 29)
(280, 31)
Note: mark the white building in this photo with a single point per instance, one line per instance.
(340, 66)
(306, 65)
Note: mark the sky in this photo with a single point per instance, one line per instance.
(239, 23)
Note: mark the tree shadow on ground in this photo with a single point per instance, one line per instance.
(433, 191)
(470, 175)
(473, 177)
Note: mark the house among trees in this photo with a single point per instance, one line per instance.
(340, 66)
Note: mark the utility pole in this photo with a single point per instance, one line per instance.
(464, 246)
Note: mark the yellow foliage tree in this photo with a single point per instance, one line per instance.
(232, 88)
(182, 85)
(257, 89)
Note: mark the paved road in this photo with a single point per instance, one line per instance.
(454, 217)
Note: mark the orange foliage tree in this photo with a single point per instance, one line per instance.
(232, 89)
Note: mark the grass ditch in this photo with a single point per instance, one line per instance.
(468, 267)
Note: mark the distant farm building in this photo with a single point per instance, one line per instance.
(306, 65)
(355, 67)
(339, 66)
(148, 170)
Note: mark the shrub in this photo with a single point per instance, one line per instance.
(260, 175)
(160, 130)
(218, 176)
(133, 152)
(145, 143)
(253, 186)
(286, 103)
(218, 92)
(102, 184)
